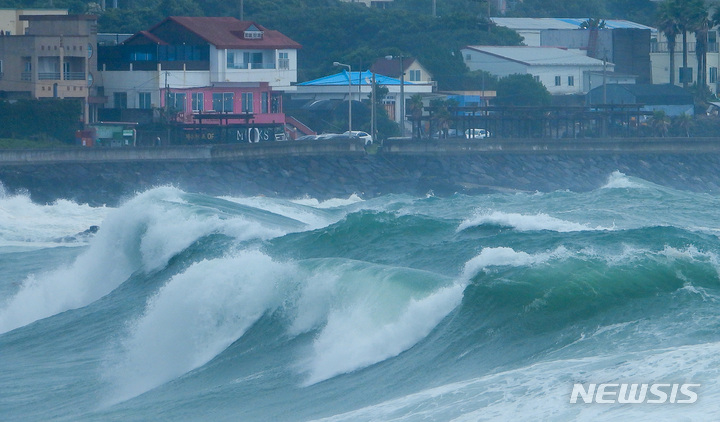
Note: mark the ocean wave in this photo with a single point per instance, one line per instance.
(359, 314)
(541, 391)
(369, 314)
(21, 220)
(141, 235)
(524, 222)
(193, 317)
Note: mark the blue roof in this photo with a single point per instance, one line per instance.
(609, 23)
(358, 78)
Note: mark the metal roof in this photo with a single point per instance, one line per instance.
(561, 23)
(534, 56)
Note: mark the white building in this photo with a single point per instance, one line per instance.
(196, 52)
(561, 71)
(660, 57)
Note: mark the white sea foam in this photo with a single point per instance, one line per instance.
(542, 391)
(314, 216)
(195, 316)
(503, 256)
(360, 335)
(141, 235)
(365, 313)
(21, 220)
(525, 222)
(329, 203)
(618, 180)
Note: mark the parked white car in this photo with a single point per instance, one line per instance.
(366, 137)
(476, 134)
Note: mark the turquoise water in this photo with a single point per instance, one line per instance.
(463, 308)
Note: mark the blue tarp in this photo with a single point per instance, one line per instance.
(358, 78)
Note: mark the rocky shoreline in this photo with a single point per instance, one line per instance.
(341, 175)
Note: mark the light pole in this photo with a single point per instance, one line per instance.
(402, 93)
(349, 95)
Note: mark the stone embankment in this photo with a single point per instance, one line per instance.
(338, 169)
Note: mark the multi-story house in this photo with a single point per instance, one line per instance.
(11, 24)
(561, 71)
(660, 56)
(206, 72)
(53, 59)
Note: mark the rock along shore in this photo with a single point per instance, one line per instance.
(325, 170)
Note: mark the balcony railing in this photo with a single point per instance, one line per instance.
(74, 76)
(662, 47)
(251, 66)
(26, 76)
(44, 76)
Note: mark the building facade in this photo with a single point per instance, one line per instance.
(11, 24)
(54, 59)
(561, 71)
(203, 72)
(660, 57)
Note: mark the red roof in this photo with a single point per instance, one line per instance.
(222, 32)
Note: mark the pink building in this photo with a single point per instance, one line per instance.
(216, 78)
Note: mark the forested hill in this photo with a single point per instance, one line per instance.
(330, 30)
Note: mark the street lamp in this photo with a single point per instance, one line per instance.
(402, 93)
(349, 95)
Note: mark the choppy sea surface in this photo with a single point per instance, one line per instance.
(188, 307)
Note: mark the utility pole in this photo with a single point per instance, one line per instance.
(434, 9)
(242, 10)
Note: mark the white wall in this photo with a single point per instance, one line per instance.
(277, 78)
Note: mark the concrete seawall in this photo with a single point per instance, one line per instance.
(328, 169)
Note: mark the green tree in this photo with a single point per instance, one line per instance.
(521, 90)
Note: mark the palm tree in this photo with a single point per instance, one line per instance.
(683, 122)
(701, 44)
(660, 123)
(690, 15)
(667, 24)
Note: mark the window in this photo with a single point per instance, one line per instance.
(223, 102)
(198, 101)
(253, 33)
(283, 61)
(247, 102)
(468, 57)
(571, 81)
(712, 76)
(558, 81)
(1, 71)
(120, 99)
(537, 78)
(264, 103)
(144, 100)
(414, 75)
(176, 101)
